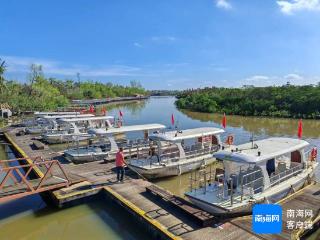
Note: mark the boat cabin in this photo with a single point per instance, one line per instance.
(182, 144)
(87, 122)
(116, 136)
(266, 162)
(109, 141)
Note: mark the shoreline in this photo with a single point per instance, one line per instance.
(250, 116)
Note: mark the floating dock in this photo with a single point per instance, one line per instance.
(165, 215)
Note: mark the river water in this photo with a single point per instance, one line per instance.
(31, 219)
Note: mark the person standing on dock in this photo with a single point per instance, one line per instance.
(120, 164)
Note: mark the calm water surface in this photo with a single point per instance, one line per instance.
(32, 219)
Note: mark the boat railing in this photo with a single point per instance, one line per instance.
(167, 157)
(201, 179)
(252, 187)
(286, 174)
(202, 151)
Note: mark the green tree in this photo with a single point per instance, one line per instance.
(3, 67)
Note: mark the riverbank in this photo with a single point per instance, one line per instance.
(284, 101)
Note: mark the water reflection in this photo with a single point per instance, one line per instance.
(134, 108)
(262, 126)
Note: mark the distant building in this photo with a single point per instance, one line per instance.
(5, 110)
(138, 95)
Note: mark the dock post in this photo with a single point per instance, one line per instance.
(231, 191)
(241, 189)
(205, 181)
(191, 181)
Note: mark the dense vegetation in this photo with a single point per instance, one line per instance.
(164, 92)
(41, 93)
(283, 101)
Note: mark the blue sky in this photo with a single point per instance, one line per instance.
(167, 44)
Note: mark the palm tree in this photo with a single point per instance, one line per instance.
(2, 80)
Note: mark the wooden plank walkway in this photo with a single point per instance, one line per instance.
(305, 199)
(199, 216)
(171, 218)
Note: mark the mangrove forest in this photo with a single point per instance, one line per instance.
(287, 101)
(42, 93)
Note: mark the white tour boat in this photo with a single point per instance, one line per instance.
(76, 128)
(41, 114)
(178, 152)
(48, 123)
(263, 171)
(110, 141)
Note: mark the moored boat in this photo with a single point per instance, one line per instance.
(264, 171)
(178, 152)
(76, 128)
(109, 142)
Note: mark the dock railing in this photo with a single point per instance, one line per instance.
(16, 181)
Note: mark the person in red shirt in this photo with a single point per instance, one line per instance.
(120, 164)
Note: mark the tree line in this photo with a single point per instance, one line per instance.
(42, 93)
(287, 101)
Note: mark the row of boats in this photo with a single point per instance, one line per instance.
(258, 171)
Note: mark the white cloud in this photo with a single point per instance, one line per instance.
(292, 78)
(225, 4)
(291, 6)
(163, 39)
(136, 44)
(22, 64)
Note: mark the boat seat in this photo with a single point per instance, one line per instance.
(282, 167)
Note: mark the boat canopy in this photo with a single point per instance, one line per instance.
(123, 129)
(268, 149)
(179, 135)
(79, 119)
(55, 113)
(67, 116)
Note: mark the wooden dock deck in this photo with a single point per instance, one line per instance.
(163, 214)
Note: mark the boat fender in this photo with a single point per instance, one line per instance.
(314, 153)
(229, 140)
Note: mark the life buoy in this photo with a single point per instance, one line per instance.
(314, 153)
(229, 140)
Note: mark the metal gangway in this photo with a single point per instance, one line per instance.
(23, 177)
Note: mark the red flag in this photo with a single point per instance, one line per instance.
(224, 121)
(91, 109)
(172, 119)
(120, 113)
(300, 129)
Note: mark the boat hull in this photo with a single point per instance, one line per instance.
(54, 139)
(78, 159)
(172, 170)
